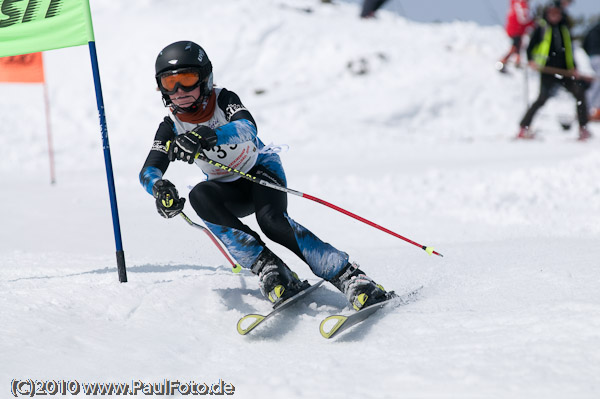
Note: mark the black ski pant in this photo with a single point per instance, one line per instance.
(225, 203)
(548, 85)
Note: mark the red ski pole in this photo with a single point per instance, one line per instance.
(265, 183)
(235, 267)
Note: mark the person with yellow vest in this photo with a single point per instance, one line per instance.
(591, 45)
(550, 51)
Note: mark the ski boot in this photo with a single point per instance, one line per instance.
(360, 289)
(525, 133)
(584, 134)
(275, 280)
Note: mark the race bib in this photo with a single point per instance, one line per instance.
(241, 157)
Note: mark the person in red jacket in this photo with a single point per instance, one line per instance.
(518, 21)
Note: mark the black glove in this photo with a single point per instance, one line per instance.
(186, 146)
(168, 202)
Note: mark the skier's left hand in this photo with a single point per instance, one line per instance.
(168, 203)
(186, 146)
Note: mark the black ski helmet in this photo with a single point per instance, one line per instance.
(185, 55)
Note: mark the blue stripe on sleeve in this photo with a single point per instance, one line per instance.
(148, 176)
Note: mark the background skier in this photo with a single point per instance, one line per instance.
(591, 45)
(550, 51)
(370, 7)
(518, 20)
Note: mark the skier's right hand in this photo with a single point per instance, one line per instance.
(186, 146)
(168, 202)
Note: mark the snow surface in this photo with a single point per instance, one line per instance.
(421, 144)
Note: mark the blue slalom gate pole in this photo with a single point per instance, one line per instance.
(108, 163)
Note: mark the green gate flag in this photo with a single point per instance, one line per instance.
(29, 26)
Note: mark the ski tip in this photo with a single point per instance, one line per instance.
(254, 319)
(329, 327)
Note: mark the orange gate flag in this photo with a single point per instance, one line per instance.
(26, 68)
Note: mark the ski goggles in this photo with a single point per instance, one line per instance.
(171, 81)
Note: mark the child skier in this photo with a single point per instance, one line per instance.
(213, 121)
